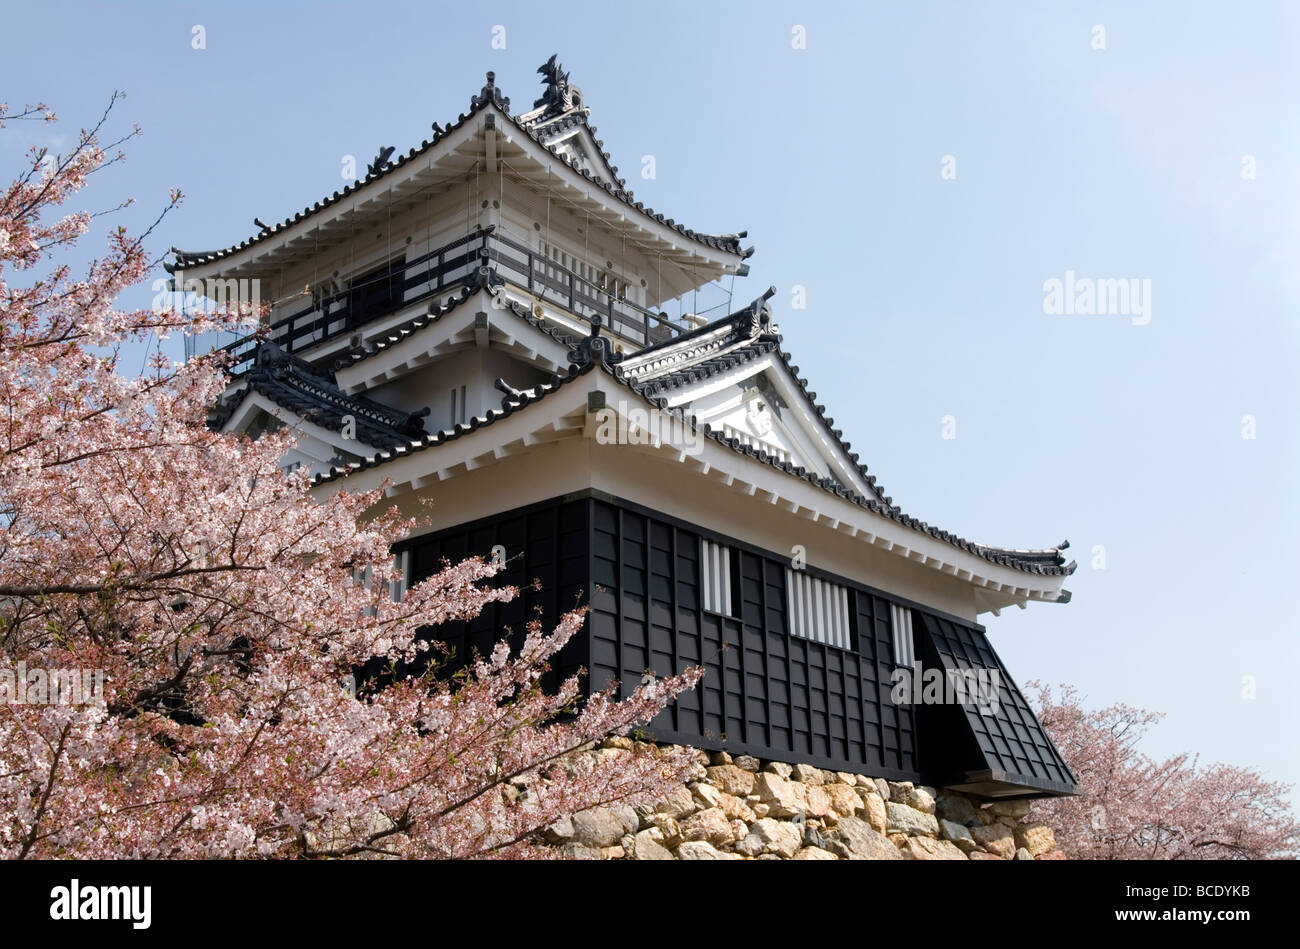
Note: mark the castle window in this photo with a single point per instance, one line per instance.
(376, 292)
(818, 609)
(715, 578)
(904, 646)
(459, 413)
(397, 587)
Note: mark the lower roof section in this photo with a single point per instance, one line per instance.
(989, 741)
(575, 404)
(999, 786)
(312, 395)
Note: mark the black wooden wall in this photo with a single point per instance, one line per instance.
(767, 692)
(546, 543)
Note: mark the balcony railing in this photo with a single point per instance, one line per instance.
(446, 268)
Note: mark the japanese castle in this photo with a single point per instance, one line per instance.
(483, 321)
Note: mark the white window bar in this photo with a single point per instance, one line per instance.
(818, 609)
(458, 407)
(397, 588)
(715, 577)
(904, 645)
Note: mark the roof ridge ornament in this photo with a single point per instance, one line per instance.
(756, 319)
(594, 348)
(511, 393)
(490, 93)
(483, 277)
(381, 159)
(270, 354)
(560, 95)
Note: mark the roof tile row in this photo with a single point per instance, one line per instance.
(488, 95)
(1048, 562)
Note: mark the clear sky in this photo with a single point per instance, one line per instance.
(1170, 156)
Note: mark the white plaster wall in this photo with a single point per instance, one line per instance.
(475, 369)
(576, 464)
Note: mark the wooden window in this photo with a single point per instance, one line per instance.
(904, 645)
(717, 589)
(818, 609)
(459, 413)
(397, 587)
(377, 292)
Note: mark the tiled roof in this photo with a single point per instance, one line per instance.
(749, 335)
(1046, 562)
(708, 367)
(438, 309)
(488, 95)
(672, 359)
(562, 108)
(509, 407)
(312, 394)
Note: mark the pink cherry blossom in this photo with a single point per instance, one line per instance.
(1133, 807)
(218, 599)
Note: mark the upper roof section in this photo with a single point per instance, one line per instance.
(553, 144)
(560, 120)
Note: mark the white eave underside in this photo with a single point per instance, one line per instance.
(443, 166)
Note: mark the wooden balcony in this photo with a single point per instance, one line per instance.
(409, 282)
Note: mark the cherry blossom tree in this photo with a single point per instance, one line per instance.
(219, 601)
(1133, 807)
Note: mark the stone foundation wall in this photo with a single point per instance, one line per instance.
(744, 809)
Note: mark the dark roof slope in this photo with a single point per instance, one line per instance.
(996, 737)
(312, 394)
(510, 406)
(754, 323)
(438, 309)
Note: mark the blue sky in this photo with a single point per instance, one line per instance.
(924, 294)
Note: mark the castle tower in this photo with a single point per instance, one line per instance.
(492, 321)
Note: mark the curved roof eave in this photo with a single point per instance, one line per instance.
(489, 97)
(1044, 562)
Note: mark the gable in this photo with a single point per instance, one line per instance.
(317, 448)
(761, 404)
(476, 320)
(753, 413)
(281, 390)
(577, 145)
(460, 386)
